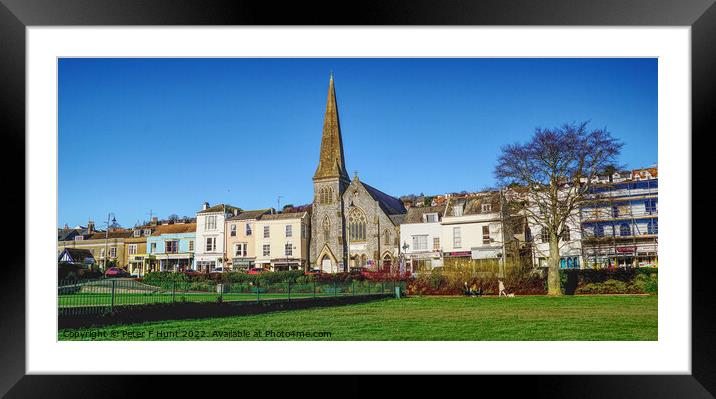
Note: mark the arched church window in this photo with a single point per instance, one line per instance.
(386, 237)
(357, 225)
(326, 229)
(326, 195)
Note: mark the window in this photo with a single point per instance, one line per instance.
(79, 238)
(210, 244)
(171, 246)
(650, 206)
(431, 218)
(325, 195)
(191, 245)
(137, 233)
(289, 230)
(233, 230)
(436, 243)
(456, 238)
(624, 230)
(420, 243)
(599, 230)
(267, 231)
(288, 249)
(357, 225)
(147, 232)
(132, 249)
(486, 208)
(153, 248)
(544, 235)
(101, 253)
(486, 235)
(457, 210)
(210, 222)
(386, 237)
(326, 229)
(248, 229)
(113, 252)
(565, 234)
(652, 227)
(267, 249)
(240, 249)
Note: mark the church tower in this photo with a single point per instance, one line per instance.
(328, 245)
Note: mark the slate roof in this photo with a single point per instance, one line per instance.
(287, 215)
(397, 219)
(472, 204)
(253, 214)
(415, 214)
(220, 208)
(389, 204)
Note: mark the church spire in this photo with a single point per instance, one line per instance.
(331, 162)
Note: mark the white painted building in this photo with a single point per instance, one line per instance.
(472, 227)
(420, 238)
(210, 236)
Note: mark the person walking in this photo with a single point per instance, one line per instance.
(502, 288)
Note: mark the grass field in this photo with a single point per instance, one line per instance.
(539, 318)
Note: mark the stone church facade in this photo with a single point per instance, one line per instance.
(352, 223)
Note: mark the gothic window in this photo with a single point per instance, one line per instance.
(325, 195)
(326, 229)
(357, 225)
(386, 237)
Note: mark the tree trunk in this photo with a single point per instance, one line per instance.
(553, 284)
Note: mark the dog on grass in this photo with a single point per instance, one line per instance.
(510, 295)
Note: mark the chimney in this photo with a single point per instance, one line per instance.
(155, 221)
(90, 227)
(205, 207)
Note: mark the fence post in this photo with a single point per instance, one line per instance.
(289, 290)
(314, 289)
(258, 295)
(111, 304)
(174, 290)
(382, 287)
(335, 291)
(353, 288)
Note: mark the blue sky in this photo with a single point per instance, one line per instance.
(168, 134)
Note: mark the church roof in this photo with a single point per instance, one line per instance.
(331, 162)
(390, 204)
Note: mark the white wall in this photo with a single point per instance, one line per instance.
(471, 232)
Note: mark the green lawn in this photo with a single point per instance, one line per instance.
(423, 318)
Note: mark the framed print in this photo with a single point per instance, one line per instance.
(465, 188)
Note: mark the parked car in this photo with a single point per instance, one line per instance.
(256, 270)
(116, 272)
(313, 271)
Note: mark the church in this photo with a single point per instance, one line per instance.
(352, 224)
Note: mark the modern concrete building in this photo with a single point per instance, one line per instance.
(620, 225)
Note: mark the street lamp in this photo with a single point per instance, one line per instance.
(106, 239)
(405, 248)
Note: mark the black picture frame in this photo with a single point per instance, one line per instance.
(16, 15)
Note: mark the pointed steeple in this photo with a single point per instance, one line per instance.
(331, 162)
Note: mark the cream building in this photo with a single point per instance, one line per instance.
(240, 235)
(281, 241)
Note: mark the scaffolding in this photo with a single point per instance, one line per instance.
(619, 224)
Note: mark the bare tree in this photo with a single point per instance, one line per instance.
(550, 178)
